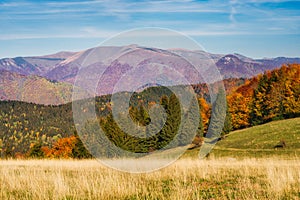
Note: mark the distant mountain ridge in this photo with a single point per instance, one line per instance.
(33, 89)
(36, 65)
(64, 64)
(112, 63)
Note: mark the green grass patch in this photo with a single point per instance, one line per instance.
(259, 141)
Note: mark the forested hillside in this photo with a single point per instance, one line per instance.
(271, 96)
(30, 130)
(23, 124)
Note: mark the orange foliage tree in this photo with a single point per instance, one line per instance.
(239, 109)
(62, 148)
(277, 95)
(205, 110)
(239, 103)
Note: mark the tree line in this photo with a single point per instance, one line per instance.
(273, 95)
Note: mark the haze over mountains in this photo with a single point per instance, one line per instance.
(48, 79)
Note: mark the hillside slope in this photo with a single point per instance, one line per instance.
(35, 65)
(35, 89)
(261, 140)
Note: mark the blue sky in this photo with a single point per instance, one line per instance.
(255, 28)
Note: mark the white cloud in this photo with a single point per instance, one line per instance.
(244, 17)
(268, 1)
(84, 33)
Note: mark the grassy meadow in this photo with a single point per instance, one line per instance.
(184, 179)
(243, 166)
(259, 142)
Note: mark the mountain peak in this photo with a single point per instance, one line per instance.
(60, 54)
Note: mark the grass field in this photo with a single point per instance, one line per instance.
(185, 179)
(259, 141)
(243, 166)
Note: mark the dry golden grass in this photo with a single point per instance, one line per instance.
(185, 179)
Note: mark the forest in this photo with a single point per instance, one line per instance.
(29, 130)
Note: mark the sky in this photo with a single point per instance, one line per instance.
(254, 28)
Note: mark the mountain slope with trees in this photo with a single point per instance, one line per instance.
(53, 73)
(28, 129)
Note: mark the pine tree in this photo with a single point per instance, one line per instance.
(171, 127)
(36, 151)
(190, 124)
(258, 108)
(164, 101)
(79, 150)
(227, 124)
(144, 117)
(216, 124)
(218, 116)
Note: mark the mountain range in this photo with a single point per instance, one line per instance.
(49, 79)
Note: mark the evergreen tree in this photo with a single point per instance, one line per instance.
(218, 116)
(164, 101)
(227, 124)
(79, 150)
(144, 117)
(258, 108)
(36, 151)
(190, 124)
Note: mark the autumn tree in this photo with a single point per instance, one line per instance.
(238, 107)
(62, 148)
(205, 111)
(277, 95)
